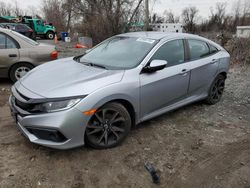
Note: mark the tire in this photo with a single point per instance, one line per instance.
(216, 90)
(18, 70)
(110, 130)
(50, 35)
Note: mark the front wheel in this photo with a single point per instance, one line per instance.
(50, 35)
(108, 127)
(216, 90)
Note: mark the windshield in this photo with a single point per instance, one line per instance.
(119, 52)
(30, 41)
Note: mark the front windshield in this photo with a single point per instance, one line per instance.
(30, 41)
(119, 52)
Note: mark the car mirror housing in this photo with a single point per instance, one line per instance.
(154, 66)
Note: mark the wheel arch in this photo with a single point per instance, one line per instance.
(129, 107)
(126, 102)
(18, 63)
(223, 73)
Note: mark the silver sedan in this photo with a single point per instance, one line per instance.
(19, 54)
(125, 80)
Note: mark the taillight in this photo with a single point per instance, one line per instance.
(30, 30)
(54, 55)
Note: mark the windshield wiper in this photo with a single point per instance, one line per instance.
(94, 65)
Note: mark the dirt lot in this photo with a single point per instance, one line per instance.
(196, 146)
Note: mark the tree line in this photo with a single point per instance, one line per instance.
(101, 19)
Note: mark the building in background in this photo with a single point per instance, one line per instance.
(243, 31)
(167, 27)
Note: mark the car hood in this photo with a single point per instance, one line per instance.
(66, 78)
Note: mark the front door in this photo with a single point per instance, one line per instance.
(167, 86)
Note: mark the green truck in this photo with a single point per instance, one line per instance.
(39, 27)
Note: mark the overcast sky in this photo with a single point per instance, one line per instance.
(159, 6)
(177, 5)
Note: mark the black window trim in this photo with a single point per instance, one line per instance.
(210, 45)
(11, 38)
(189, 53)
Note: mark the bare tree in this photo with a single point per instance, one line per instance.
(54, 13)
(170, 17)
(17, 10)
(5, 9)
(68, 7)
(189, 15)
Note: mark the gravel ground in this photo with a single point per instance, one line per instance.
(195, 146)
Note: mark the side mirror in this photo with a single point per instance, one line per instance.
(155, 65)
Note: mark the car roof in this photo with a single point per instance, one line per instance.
(158, 35)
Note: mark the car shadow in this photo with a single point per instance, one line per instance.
(169, 114)
(5, 82)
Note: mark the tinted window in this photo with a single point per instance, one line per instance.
(198, 49)
(172, 52)
(2, 41)
(20, 27)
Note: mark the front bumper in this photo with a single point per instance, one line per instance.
(69, 123)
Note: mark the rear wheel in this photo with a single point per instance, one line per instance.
(108, 127)
(216, 90)
(50, 35)
(19, 70)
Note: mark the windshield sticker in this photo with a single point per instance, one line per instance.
(150, 41)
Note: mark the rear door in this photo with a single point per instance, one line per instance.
(9, 53)
(204, 62)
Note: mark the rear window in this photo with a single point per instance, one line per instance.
(26, 39)
(21, 27)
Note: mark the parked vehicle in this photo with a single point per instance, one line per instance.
(19, 54)
(127, 79)
(37, 25)
(20, 28)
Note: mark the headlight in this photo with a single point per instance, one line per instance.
(56, 106)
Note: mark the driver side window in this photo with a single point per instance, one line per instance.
(172, 52)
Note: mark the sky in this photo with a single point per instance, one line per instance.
(176, 6)
(156, 6)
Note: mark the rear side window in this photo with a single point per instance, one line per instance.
(6, 42)
(172, 52)
(213, 49)
(198, 49)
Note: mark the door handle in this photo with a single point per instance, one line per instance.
(12, 55)
(214, 61)
(184, 72)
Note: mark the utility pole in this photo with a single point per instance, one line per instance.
(146, 22)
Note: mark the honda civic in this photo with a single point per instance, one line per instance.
(129, 78)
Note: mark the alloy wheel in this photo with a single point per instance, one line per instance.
(107, 127)
(218, 89)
